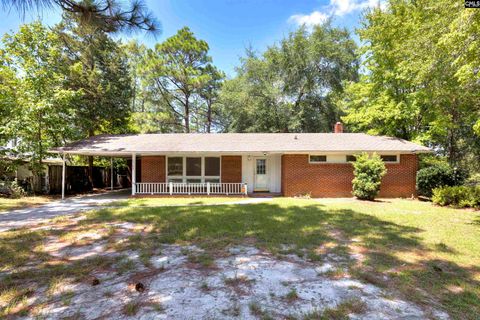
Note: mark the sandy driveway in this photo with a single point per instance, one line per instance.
(29, 216)
(34, 215)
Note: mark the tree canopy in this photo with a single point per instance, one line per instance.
(415, 76)
(35, 96)
(107, 15)
(421, 79)
(291, 86)
(179, 76)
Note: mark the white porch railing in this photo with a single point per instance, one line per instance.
(207, 188)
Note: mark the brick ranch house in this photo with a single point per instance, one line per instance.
(290, 164)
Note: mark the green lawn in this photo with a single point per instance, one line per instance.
(431, 255)
(418, 245)
(175, 201)
(10, 204)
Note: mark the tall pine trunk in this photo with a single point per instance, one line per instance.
(90, 163)
(187, 114)
(209, 117)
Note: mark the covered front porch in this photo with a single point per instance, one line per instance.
(205, 174)
(190, 174)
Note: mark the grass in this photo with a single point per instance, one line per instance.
(202, 259)
(292, 295)
(258, 311)
(174, 201)
(430, 255)
(340, 312)
(7, 204)
(131, 308)
(406, 240)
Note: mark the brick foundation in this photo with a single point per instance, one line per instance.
(231, 169)
(153, 169)
(299, 177)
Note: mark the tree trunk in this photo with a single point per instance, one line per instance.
(452, 135)
(90, 171)
(90, 164)
(209, 116)
(187, 115)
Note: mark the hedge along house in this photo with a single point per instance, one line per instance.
(318, 164)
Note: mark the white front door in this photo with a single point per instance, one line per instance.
(261, 176)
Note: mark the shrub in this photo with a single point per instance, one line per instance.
(16, 190)
(12, 189)
(429, 160)
(457, 196)
(368, 172)
(438, 175)
(473, 180)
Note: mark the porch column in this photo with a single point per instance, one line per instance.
(134, 172)
(63, 176)
(111, 173)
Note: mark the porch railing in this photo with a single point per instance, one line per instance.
(207, 188)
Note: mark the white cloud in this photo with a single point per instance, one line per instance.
(314, 18)
(342, 7)
(334, 8)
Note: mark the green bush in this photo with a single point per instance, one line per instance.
(12, 189)
(438, 175)
(368, 172)
(473, 180)
(457, 196)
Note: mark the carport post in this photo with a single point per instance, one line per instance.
(63, 176)
(111, 173)
(134, 172)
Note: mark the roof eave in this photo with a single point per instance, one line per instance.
(129, 152)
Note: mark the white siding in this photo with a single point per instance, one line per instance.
(275, 163)
(274, 171)
(342, 157)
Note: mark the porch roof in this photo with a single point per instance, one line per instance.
(124, 145)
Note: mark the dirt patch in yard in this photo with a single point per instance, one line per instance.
(186, 282)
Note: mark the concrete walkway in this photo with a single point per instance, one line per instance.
(34, 215)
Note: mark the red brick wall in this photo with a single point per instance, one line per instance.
(400, 178)
(153, 169)
(231, 169)
(335, 179)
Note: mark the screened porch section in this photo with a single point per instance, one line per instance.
(188, 175)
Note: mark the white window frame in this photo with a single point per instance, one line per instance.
(396, 155)
(350, 161)
(317, 162)
(184, 176)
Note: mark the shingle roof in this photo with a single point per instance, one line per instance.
(239, 142)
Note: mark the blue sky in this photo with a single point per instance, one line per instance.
(229, 26)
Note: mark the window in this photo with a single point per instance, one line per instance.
(261, 166)
(194, 166)
(316, 159)
(175, 166)
(351, 158)
(193, 169)
(389, 158)
(212, 166)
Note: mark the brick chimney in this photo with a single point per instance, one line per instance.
(338, 127)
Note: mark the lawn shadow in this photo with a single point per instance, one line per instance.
(281, 229)
(477, 220)
(306, 228)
